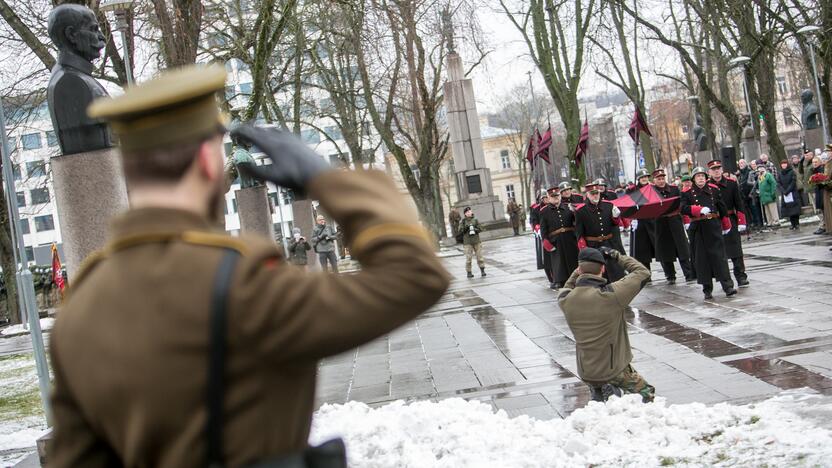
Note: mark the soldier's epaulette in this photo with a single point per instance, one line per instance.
(711, 184)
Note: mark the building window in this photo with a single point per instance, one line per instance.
(24, 226)
(310, 136)
(233, 205)
(288, 196)
(31, 141)
(273, 200)
(16, 172)
(30, 253)
(245, 89)
(788, 117)
(12, 143)
(21, 199)
(505, 161)
(36, 168)
(51, 138)
(278, 231)
(333, 132)
(39, 195)
(509, 191)
(44, 223)
(781, 85)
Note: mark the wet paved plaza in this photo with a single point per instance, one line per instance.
(502, 339)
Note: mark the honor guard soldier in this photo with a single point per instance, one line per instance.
(606, 193)
(671, 240)
(709, 222)
(543, 261)
(566, 195)
(732, 198)
(557, 226)
(643, 240)
(597, 224)
(181, 346)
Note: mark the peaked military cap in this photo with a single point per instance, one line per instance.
(600, 181)
(698, 170)
(552, 190)
(565, 186)
(714, 163)
(642, 173)
(176, 107)
(685, 177)
(659, 172)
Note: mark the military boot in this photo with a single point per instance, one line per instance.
(483, 271)
(609, 390)
(470, 275)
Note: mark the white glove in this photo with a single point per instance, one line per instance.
(687, 226)
(622, 228)
(615, 212)
(572, 207)
(705, 211)
(634, 224)
(725, 232)
(741, 228)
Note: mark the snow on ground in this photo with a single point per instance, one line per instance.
(45, 324)
(21, 415)
(791, 429)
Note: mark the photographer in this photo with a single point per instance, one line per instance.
(595, 312)
(298, 247)
(323, 238)
(470, 230)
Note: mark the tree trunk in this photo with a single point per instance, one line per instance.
(8, 264)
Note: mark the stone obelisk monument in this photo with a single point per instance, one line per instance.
(87, 176)
(473, 178)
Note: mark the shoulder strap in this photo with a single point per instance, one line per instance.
(215, 391)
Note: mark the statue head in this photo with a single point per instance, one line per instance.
(74, 28)
(807, 96)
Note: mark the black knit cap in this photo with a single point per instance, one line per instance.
(591, 255)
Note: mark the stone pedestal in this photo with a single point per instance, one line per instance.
(814, 139)
(750, 150)
(254, 212)
(303, 218)
(701, 158)
(89, 191)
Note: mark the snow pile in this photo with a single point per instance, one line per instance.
(45, 324)
(788, 430)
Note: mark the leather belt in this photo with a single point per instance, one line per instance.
(707, 216)
(561, 230)
(599, 238)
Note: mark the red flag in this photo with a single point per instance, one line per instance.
(57, 273)
(543, 145)
(638, 125)
(583, 143)
(530, 151)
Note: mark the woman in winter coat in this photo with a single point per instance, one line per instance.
(817, 168)
(790, 196)
(754, 196)
(768, 196)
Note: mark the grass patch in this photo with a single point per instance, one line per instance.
(667, 461)
(754, 419)
(25, 403)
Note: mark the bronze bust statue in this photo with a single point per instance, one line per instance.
(74, 30)
(809, 116)
(700, 140)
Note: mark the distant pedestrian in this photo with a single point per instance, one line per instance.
(513, 210)
(768, 196)
(817, 168)
(789, 195)
(470, 230)
(797, 168)
(754, 196)
(323, 241)
(522, 218)
(596, 312)
(298, 247)
(453, 218)
(805, 172)
(767, 164)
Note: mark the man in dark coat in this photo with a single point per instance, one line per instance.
(544, 261)
(789, 195)
(709, 222)
(566, 195)
(606, 193)
(557, 227)
(643, 240)
(671, 240)
(731, 197)
(597, 224)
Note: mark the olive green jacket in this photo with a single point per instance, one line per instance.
(595, 312)
(464, 228)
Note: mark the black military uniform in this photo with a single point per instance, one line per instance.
(671, 239)
(708, 221)
(606, 194)
(571, 197)
(732, 198)
(557, 225)
(596, 226)
(643, 237)
(534, 220)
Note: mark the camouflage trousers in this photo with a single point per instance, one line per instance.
(629, 381)
(472, 250)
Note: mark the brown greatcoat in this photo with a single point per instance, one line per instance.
(130, 346)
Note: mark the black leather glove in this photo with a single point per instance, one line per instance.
(609, 252)
(293, 166)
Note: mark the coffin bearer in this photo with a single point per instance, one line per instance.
(643, 242)
(671, 240)
(134, 385)
(732, 198)
(596, 313)
(597, 225)
(709, 222)
(557, 225)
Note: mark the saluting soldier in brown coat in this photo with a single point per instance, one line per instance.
(130, 348)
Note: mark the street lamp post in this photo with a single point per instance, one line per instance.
(743, 60)
(120, 8)
(25, 283)
(810, 30)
